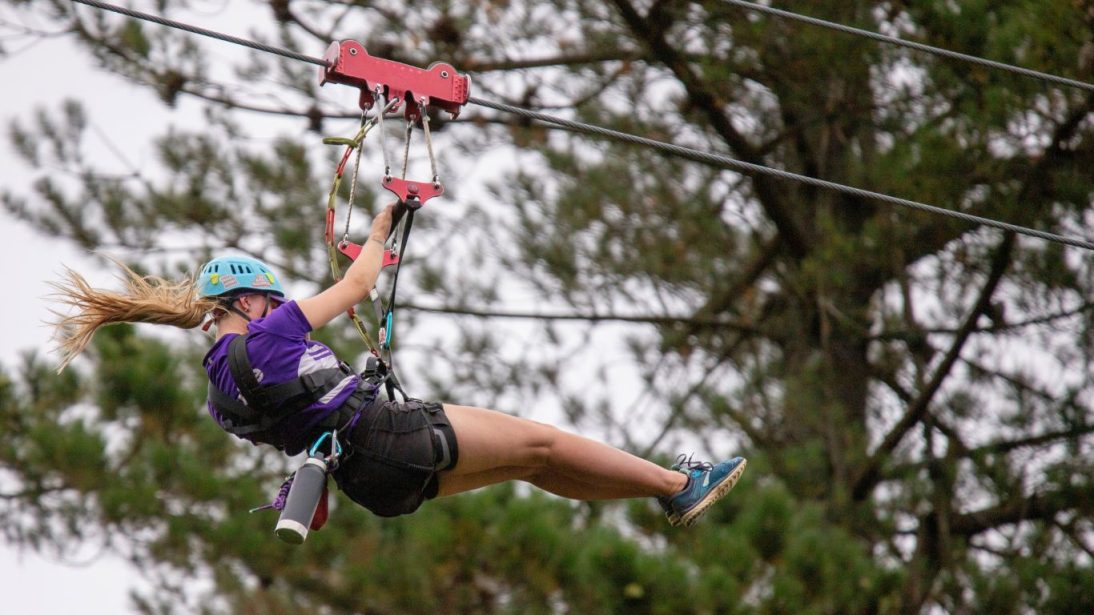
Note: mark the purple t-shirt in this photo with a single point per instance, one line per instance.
(280, 351)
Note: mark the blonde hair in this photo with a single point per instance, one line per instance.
(144, 299)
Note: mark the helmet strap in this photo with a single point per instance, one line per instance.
(229, 306)
(232, 308)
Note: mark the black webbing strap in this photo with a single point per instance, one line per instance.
(275, 401)
(386, 367)
(392, 384)
(266, 405)
(377, 372)
(402, 243)
(238, 418)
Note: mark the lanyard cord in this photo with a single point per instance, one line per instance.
(353, 180)
(328, 235)
(400, 234)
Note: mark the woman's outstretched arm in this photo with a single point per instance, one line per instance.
(360, 278)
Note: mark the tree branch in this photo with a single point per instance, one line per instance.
(1037, 507)
(992, 448)
(1036, 187)
(748, 277)
(593, 317)
(32, 493)
(905, 335)
(1077, 536)
(1005, 446)
(703, 99)
(1024, 387)
(998, 446)
(284, 14)
(592, 57)
(870, 474)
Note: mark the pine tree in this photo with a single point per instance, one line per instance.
(913, 392)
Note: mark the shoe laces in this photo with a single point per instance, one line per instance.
(684, 462)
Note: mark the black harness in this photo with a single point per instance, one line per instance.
(267, 405)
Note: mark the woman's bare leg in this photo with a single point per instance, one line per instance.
(496, 447)
(451, 483)
(548, 481)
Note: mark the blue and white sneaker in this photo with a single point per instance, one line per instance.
(707, 484)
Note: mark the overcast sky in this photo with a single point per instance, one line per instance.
(33, 583)
(123, 120)
(46, 73)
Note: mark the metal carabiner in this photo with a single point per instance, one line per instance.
(335, 447)
(387, 329)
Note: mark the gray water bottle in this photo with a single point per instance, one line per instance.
(307, 488)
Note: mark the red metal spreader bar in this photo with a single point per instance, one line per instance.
(353, 250)
(410, 191)
(440, 84)
(347, 62)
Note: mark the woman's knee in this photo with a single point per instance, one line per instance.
(501, 439)
(539, 443)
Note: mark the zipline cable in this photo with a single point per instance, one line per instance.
(755, 169)
(892, 40)
(163, 21)
(751, 6)
(678, 150)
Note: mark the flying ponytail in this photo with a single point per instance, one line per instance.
(149, 299)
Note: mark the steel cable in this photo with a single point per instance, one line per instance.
(163, 21)
(677, 150)
(892, 40)
(755, 169)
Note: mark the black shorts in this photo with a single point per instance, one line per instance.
(396, 450)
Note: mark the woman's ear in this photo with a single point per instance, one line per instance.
(213, 317)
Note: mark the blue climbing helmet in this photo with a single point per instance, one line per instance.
(228, 276)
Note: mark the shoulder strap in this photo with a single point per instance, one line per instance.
(267, 405)
(278, 400)
(242, 372)
(238, 418)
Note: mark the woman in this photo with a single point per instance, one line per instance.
(398, 454)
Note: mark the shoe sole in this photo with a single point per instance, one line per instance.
(690, 517)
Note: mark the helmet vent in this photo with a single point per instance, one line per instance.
(233, 274)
